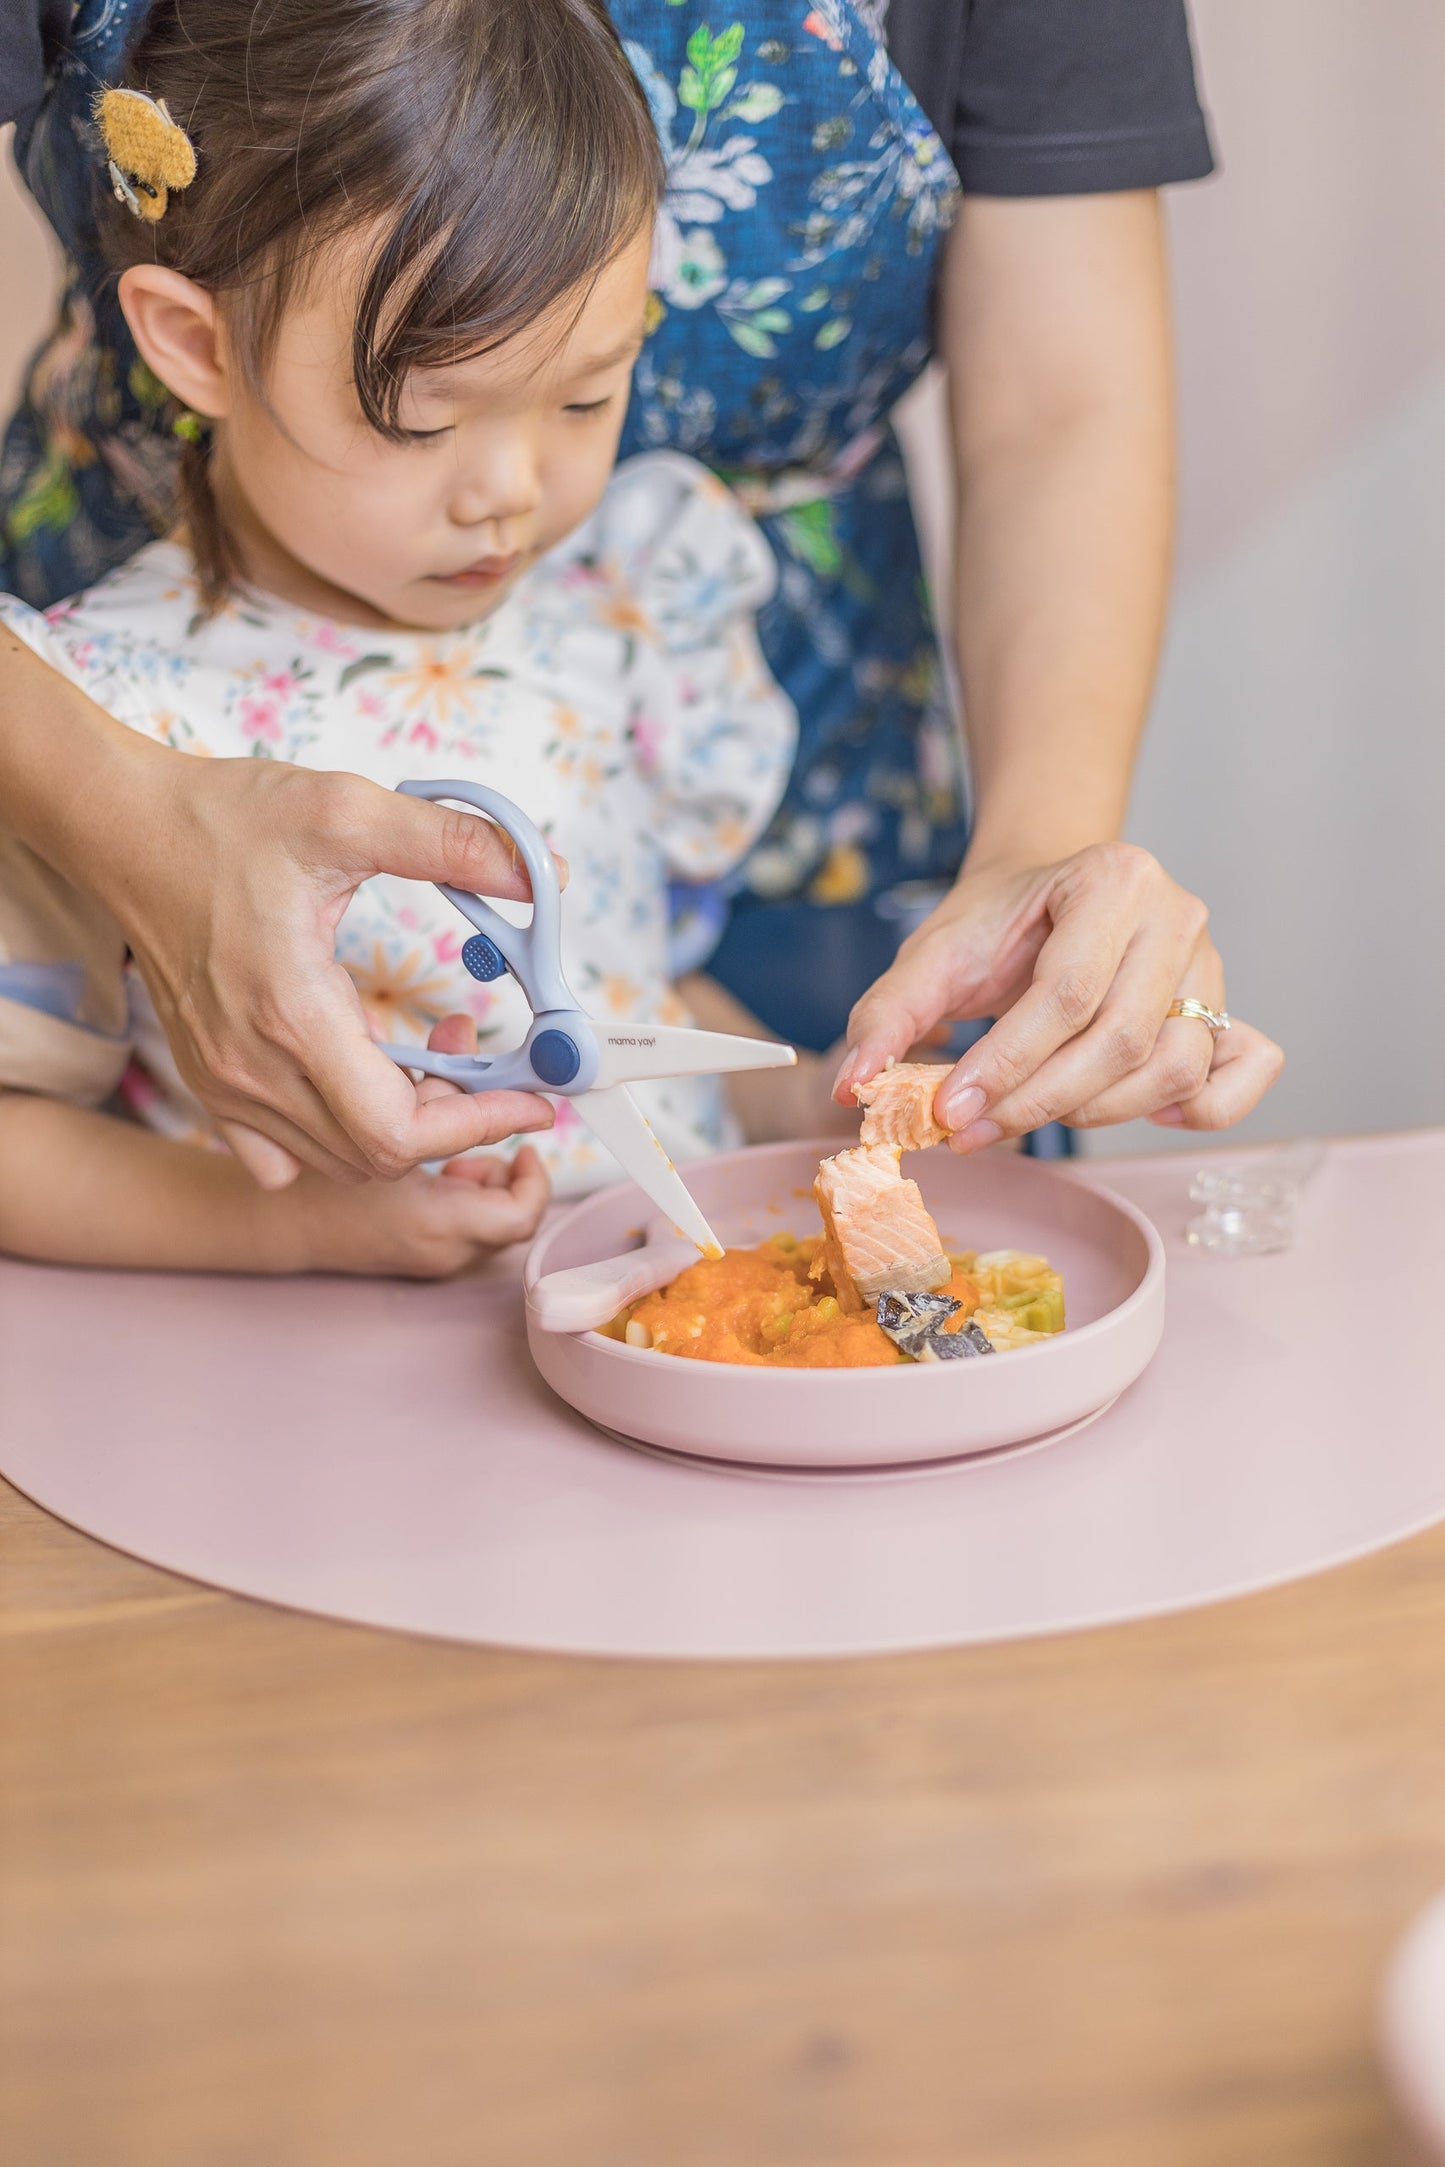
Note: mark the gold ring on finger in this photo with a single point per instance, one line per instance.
(1193, 1011)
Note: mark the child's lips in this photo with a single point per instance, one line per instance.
(485, 572)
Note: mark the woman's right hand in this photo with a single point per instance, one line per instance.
(228, 878)
(425, 1226)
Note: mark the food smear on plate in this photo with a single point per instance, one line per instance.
(776, 1307)
(898, 1105)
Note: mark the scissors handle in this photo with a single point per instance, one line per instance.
(560, 1051)
(556, 1056)
(533, 953)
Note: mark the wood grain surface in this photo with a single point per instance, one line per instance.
(280, 1891)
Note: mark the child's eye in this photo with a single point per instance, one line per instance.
(591, 406)
(425, 436)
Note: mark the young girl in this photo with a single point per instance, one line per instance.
(393, 314)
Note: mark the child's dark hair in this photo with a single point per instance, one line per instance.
(497, 152)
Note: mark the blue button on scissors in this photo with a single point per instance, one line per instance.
(566, 1053)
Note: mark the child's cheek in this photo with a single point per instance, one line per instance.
(576, 486)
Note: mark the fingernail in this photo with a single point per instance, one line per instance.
(851, 1068)
(272, 1177)
(1169, 1117)
(959, 1104)
(270, 1165)
(976, 1136)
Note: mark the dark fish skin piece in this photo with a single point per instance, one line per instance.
(907, 1318)
(961, 1346)
(898, 1312)
(914, 1323)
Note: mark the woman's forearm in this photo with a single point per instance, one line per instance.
(67, 768)
(1060, 603)
(1055, 328)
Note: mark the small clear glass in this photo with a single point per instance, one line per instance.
(1250, 1205)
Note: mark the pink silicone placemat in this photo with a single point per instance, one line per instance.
(386, 1454)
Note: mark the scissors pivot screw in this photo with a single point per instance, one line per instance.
(483, 959)
(554, 1057)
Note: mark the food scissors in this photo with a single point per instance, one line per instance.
(567, 1053)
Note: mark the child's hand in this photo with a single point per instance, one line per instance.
(425, 1226)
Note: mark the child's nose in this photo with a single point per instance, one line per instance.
(501, 483)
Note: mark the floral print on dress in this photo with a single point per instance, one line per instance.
(618, 695)
(793, 270)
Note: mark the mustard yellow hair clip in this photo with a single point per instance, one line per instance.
(150, 154)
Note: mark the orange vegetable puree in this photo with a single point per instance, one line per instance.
(761, 1306)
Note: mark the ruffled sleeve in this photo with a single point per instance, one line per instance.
(712, 732)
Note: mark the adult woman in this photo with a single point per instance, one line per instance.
(802, 265)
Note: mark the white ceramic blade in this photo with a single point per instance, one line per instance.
(616, 1120)
(631, 1053)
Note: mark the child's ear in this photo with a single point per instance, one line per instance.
(177, 329)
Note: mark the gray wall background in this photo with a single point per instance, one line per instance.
(1295, 769)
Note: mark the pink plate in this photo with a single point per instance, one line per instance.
(1111, 1258)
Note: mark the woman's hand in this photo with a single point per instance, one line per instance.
(1079, 961)
(228, 879)
(425, 1226)
(232, 887)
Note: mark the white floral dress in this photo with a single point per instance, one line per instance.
(618, 695)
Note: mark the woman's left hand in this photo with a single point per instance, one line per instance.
(1079, 961)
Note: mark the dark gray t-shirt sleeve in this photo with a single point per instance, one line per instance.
(1056, 97)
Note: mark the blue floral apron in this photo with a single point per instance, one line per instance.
(794, 276)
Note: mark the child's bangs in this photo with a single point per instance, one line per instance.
(486, 249)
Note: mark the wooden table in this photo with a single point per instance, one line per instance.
(279, 1891)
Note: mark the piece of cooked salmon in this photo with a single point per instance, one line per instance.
(877, 1234)
(898, 1105)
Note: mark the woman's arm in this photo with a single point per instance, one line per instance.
(1055, 331)
(228, 878)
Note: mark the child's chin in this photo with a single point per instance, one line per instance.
(436, 608)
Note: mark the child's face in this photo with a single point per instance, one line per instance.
(511, 451)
